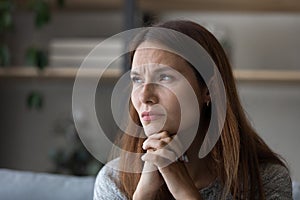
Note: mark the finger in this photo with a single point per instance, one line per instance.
(175, 145)
(160, 135)
(164, 136)
(160, 158)
(153, 144)
(167, 143)
(167, 140)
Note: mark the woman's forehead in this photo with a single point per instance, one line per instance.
(149, 60)
(145, 56)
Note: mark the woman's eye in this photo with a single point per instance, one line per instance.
(136, 79)
(165, 77)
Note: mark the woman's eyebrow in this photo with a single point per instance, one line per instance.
(163, 69)
(133, 73)
(158, 70)
(166, 69)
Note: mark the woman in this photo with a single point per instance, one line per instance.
(238, 165)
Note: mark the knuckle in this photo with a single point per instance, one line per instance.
(161, 144)
(168, 139)
(165, 134)
(145, 145)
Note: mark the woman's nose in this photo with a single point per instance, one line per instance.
(148, 94)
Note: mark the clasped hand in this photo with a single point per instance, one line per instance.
(161, 166)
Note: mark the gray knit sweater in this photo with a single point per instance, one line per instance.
(276, 181)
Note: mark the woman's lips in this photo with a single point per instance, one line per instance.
(150, 116)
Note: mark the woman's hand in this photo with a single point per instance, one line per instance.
(173, 173)
(151, 179)
(149, 183)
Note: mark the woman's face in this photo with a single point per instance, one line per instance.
(159, 78)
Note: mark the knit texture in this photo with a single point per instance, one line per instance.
(276, 182)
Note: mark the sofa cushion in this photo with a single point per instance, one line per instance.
(16, 185)
(296, 190)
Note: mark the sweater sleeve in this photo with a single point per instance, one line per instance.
(106, 185)
(277, 183)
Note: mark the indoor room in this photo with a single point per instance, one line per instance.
(67, 80)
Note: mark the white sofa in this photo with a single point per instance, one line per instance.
(20, 185)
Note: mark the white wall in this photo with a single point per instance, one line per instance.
(269, 41)
(274, 110)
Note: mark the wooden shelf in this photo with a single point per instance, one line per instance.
(155, 6)
(54, 73)
(268, 75)
(70, 73)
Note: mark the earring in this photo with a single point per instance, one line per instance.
(207, 103)
(183, 158)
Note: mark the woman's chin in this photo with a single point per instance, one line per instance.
(151, 129)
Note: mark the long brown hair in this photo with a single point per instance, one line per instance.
(239, 152)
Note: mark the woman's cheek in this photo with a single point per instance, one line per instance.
(134, 100)
(189, 107)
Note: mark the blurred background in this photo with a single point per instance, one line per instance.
(44, 42)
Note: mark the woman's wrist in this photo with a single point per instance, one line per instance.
(176, 176)
(188, 194)
(138, 195)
